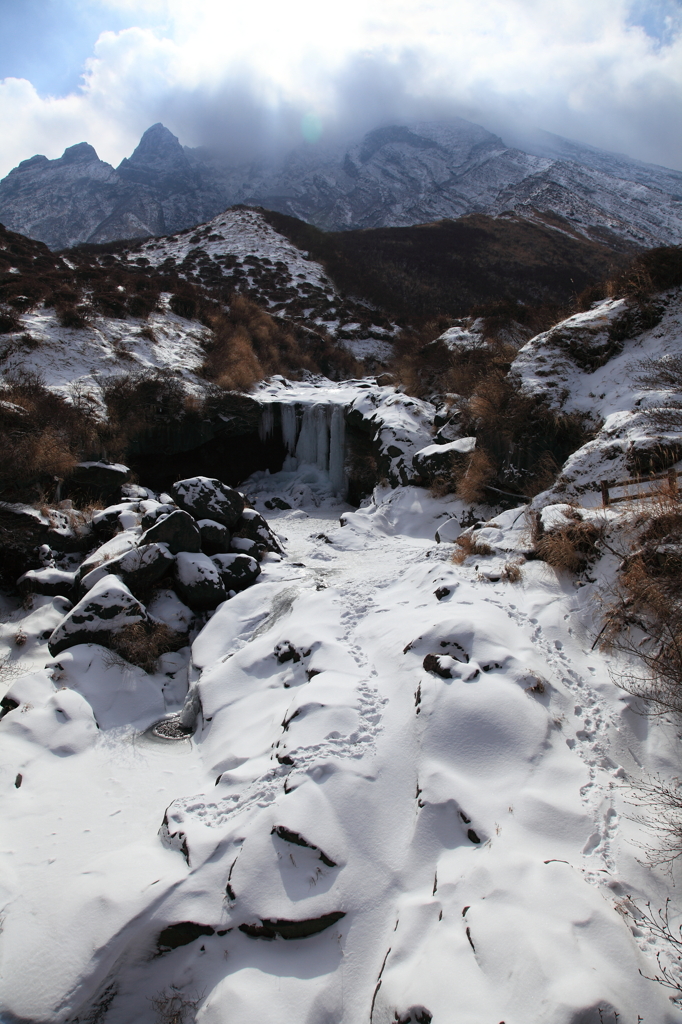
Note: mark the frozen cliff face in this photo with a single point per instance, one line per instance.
(396, 175)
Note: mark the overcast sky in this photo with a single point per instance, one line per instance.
(242, 76)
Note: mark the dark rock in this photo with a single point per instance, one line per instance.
(138, 567)
(48, 582)
(472, 836)
(105, 610)
(215, 538)
(207, 498)
(7, 704)
(236, 571)
(106, 523)
(294, 837)
(415, 1015)
(198, 581)
(181, 934)
(245, 546)
(254, 527)
(437, 664)
(178, 530)
(270, 929)
(151, 516)
(441, 593)
(99, 478)
(286, 651)
(279, 503)
(440, 459)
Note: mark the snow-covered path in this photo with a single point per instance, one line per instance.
(452, 840)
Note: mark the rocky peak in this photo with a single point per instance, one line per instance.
(81, 153)
(158, 152)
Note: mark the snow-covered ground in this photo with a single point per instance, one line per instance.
(460, 833)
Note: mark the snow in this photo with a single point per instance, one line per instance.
(478, 828)
(607, 395)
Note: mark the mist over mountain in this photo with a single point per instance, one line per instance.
(394, 176)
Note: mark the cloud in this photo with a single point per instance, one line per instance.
(252, 78)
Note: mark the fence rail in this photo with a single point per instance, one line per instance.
(670, 475)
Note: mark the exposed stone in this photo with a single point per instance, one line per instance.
(178, 530)
(207, 498)
(270, 929)
(99, 478)
(237, 571)
(215, 538)
(276, 502)
(104, 611)
(138, 568)
(438, 459)
(198, 581)
(252, 526)
(50, 582)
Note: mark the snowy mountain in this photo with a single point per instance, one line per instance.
(394, 176)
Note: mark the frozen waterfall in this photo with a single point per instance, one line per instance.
(312, 434)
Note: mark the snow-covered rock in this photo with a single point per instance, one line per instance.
(207, 498)
(107, 608)
(237, 571)
(178, 530)
(198, 581)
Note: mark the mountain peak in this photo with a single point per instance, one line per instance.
(157, 144)
(81, 153)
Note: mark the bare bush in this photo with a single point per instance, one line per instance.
(659, 926)
(479, 473)
(174, 1008)
(571, 547)
(466, 545)
(143, 643)
(645, 617)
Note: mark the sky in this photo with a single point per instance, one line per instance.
(254, 78)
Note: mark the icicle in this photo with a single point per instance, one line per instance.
(289, 427)
(337, 451)
(266, 425)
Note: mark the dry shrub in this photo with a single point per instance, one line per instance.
(471, 486)
(143, 643)
(466, 545)
(571, 547)
(174, 1008)
(648, 601)
(43, 437)
(511, 572)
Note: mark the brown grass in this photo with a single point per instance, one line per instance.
(572, 547)
(647, 604)
(466, 545)
(480, 471)
(143, 643)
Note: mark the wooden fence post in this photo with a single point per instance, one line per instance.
(605, 493)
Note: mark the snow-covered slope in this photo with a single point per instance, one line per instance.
(406, 799)
(396, 175)
(583, 366)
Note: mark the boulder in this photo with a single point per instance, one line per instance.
(104, 611)
(99, 478)
(178, 530)
(215, 538)
(438, 459)
(153, 510)
(277, 503)
(245, 546)
(138, 568)
(48, 582)
(198, 581)
(110, 549)
(252, 526)
(107, 522)
(236, 571)
(206, 498)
